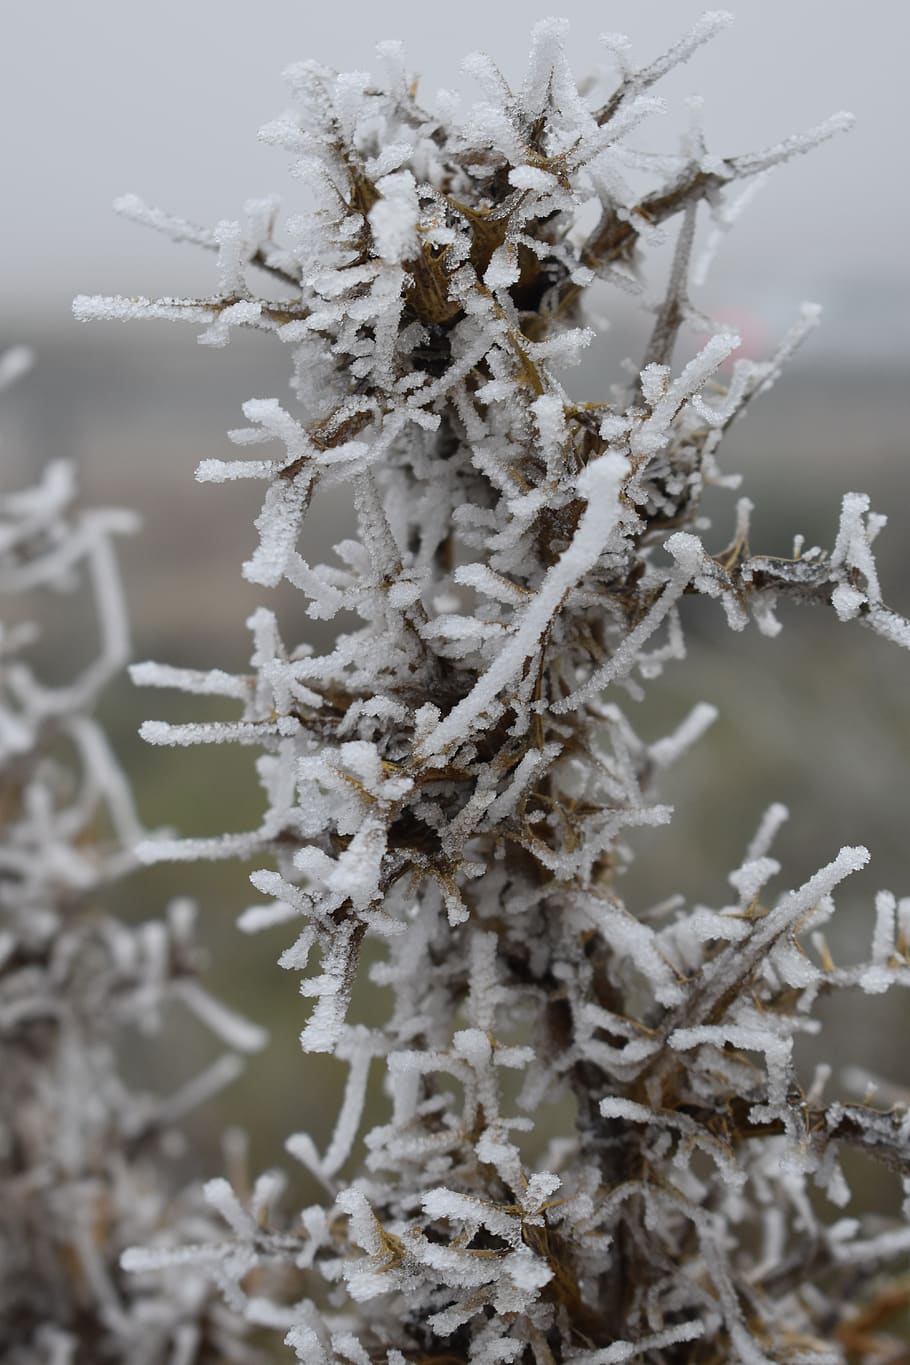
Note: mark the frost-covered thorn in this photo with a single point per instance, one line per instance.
(450, 771)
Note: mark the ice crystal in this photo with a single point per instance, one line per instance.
(454, 777)
(83, 1158)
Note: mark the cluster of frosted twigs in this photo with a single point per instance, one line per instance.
(84, 1160)
(455, 775)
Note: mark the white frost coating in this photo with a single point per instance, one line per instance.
(852, 547)
(219, 1194)
(531, 178)
(482, 578)
(752, 876)
(365, 1231)
(443, 1203)
(503, 270)
(447, 801)
(210, 732)
(639, 943)
(796, 904)
(771, 821)
(226, 1023)
(190, 850)
(279, 525)
(394, 218)
(178, 229)
(777, 1050)
(878, 976)
(628, 1350)
(654, 432)
(599, 483)
(213, 683)
(347, 1126)
(140, 1260)
(231, 257)
(76, 982)
(706, 27)
(625, 657)
(258, 917)
(221, 471)
(356, 874)
(724, 219)
(97, 308)
(883, 942)
(700, 718)
(885, 1247)
(549, 414)
(809, 318)
(756, 162)
(531, 766)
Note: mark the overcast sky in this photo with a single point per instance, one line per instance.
(98, 97)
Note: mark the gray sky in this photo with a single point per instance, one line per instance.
(98, 97)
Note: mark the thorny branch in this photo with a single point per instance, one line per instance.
(454, 777)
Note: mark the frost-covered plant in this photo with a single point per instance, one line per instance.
(454, 778)
(83, 1159)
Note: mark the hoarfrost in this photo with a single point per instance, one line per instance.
(83, 1159)
(454, 775)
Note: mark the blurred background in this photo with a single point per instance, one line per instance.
(101, 98)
